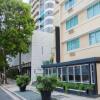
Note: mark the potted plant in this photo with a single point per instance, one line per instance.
(22, 81)
(89, 89)
(46, 85)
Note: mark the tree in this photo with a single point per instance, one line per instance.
(16, 26)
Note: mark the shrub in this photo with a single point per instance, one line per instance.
(45, 83)
(22, 80)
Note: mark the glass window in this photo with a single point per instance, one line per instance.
(73, 44)
(55, 71)
(94, 37)
(59, 73)
(46, 71)
(93, 73)
(71, 74)
(93, 10)
(98, 36)
(85, 73)
(69, 3)
(64, 73)
(77, 74)
(50, 71)
(72, 22)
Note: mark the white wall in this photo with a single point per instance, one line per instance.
(42, 43)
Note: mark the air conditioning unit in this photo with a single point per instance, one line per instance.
(70, 9)
(72, 54)
(71, 31)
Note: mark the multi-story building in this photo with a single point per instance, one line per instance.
(46, 15)
(79, 22)
(35, 11)
(42, 12)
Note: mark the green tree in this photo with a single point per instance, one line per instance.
(16, 26)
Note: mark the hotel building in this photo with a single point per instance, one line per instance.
(79, 48)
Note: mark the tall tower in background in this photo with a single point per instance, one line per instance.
(35, 12)
(42, 12)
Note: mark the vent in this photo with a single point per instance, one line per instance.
(71, 31)
(72, 54)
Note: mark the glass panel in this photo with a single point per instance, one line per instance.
(77, 74)
(71, 74)
(46, 71)
(59, 73)
(96, 9)
(92, 38)
(93, 73)
(67, 24)
(85, 73)
(64, 73)
(90, 12)
(73, 44)
(55, 71)
(50, 71)
(98, 36)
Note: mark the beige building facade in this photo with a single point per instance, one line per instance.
(79, 22)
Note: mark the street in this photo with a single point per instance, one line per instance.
(4, 96)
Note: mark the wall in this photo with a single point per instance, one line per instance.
(41, 51)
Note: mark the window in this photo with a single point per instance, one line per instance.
(69, 4)
(77, 74)
(50, 71)
(72, 22)
(64, 73)
(54, 71)
(85, 73)
(93, 10)
(73, 44)
(60, 73)
(71, 74)
(93, 73)
(94, 37)
(45, 71)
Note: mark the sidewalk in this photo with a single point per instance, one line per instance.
(32, 93)
(57, 95)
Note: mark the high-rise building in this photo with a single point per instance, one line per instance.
(35, 11)
(42, 12)
(79, 22)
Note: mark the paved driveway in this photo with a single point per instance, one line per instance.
(4, 96)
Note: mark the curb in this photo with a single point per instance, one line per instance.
(17, 95)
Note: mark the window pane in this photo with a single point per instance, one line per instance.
(92, 38)
(72, 22)
(93, 73)
(50, 71)
(73, 44)
(98, 36)
(90, 12)
(67, 24)
(64, 73)
(71, 74)
(85, 73)
(96, 9)
(93, 10)
(77, 74)
(46, 71)
(55, 71)
(59, 73)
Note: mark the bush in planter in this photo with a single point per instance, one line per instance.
(22, 81)
(46, 85)
(89, 89)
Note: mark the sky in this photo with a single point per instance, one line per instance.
(26, 1)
